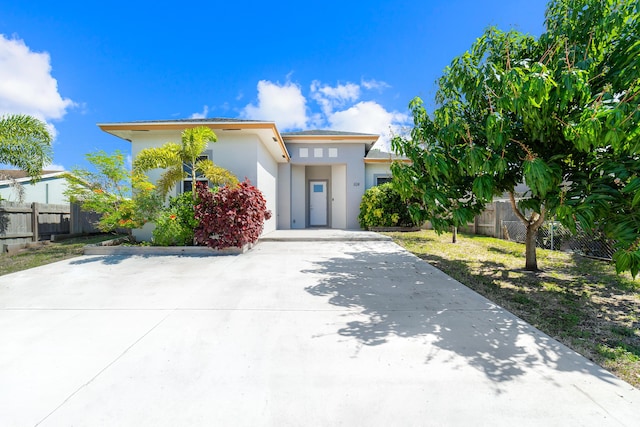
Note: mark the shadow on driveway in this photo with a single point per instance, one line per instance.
(402, 296)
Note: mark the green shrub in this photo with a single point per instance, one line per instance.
(382, 206)
(176, 224)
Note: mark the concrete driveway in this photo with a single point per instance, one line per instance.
(356, 333)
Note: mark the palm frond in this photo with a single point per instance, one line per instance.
(215, 174)
(169, 179)
(163, 157)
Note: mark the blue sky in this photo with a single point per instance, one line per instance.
(342, 65)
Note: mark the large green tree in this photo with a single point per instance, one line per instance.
(182, 161)
(25, 142)
(560, 113)
(434, 186)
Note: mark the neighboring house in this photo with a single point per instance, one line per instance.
(49, 189)
(309, 179)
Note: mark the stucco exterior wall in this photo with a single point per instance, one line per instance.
(239, 154)
(373, 170)
(267, 172)
(243, 155)
(47, 190)
(284, 196)
(348, 155)
(298, 197)
(339, 196)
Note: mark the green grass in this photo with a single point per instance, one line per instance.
(48, 253)
(579, 301)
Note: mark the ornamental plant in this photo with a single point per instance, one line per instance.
(176, 224)
(382, 206)
(230, 216)
(124, 199)
(182, 161)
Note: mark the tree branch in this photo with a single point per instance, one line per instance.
(512, 199)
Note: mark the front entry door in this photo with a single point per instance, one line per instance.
(318, 203)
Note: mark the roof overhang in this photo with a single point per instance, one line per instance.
(388, 161)
(266, 131)
(44, 176)
(367, 139)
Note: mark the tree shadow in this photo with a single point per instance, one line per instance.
(399, 295)
(4, 222)
(117, 259)
(104, 259)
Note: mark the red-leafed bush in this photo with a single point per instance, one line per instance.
(229, 216)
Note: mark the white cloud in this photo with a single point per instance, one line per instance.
(331, 97)
(283, 104)
(374, 84)
(339, 109)
(26, 84)
(369, 117)
(54, 167)
(202, 115)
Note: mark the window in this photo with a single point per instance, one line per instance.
(382, 179)
(200, 179)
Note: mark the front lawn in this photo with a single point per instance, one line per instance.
(579, 301)
(48, 253)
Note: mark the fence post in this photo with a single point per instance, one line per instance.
(34, 221)
(552, 226)
(497, 230)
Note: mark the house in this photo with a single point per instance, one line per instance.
(49, 189)
(310, 179)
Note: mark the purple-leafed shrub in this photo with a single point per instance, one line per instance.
(231, 216)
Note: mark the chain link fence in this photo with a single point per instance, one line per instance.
(553, 235)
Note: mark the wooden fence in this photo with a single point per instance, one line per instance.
(489, 222)
(32, 222)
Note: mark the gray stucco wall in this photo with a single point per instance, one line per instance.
(298, 197)
(318, 154)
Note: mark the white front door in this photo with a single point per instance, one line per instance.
(317, 203)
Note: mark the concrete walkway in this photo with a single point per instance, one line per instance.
(357, 333)
(323, 235)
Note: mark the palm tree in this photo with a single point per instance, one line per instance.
(176, 158)
(25, 143)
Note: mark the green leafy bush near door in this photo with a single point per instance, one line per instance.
(382, 206)
(176, 224)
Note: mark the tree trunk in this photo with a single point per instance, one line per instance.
(532, 224)
(531, 260)
(454, 237)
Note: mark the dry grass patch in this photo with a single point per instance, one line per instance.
(48, 253)
(579, 301)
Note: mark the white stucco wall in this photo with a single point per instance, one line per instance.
(267, 172)
(243, 155)
(375, 169)
(47, 190)
(284, 196)
(239, 154)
